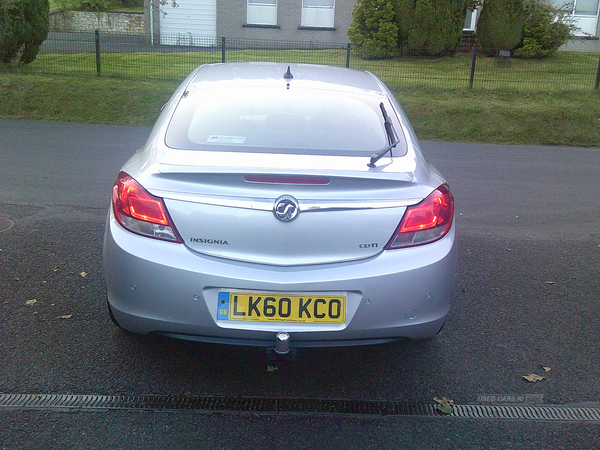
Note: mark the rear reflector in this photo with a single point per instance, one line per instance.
(140, 212)
(426, 222)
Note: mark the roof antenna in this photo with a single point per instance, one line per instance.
(288, 75)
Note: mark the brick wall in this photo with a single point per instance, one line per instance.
(74, 21)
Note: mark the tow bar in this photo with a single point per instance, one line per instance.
(282, 350)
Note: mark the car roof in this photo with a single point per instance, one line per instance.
(272, 74)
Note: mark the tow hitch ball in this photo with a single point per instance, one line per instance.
(282, 348)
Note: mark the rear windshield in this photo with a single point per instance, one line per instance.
(281, 120)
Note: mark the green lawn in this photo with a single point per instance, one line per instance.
(564, 71)
(549, 102)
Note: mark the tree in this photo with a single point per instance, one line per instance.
(23, 28)
(373, 32)
(431, 27)
(545, 30)
(501, 23)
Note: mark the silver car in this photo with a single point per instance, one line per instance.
(281, 205)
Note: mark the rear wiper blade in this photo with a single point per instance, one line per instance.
(391, 135)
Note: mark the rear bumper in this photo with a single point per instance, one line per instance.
(164, 288)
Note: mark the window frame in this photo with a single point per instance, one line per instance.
(307, 14)
(259, 8)
(572, 5)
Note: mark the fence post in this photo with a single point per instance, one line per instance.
(223, 49)
(97, 40)
(348, 55)
(472, 78)
(597, 76)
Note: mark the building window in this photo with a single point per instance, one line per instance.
(578, 7)
(585, 14)
(262, 12)
(318, 13)
(586, 8)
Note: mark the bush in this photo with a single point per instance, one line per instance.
(431, 27)
(97, 5)
(132, 2)
(91, 5)
(546, 29)
(501, 24)
(23, 28)
(373, 31)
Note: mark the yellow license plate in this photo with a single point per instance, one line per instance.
(253, 306)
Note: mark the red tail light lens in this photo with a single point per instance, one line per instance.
(426, 222)
(140, 212)
(286, 179)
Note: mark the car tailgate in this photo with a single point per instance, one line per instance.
(241, 216)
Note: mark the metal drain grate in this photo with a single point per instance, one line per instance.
(528, 412)
(355, 407)
(306, 406)
(158, 403)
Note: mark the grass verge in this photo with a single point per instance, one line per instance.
(83, 100)
(565, 71)
(570, 118)
(505, 117)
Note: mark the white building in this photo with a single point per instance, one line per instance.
(203, 22)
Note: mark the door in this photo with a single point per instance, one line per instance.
(191, 23)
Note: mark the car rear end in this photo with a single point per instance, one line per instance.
(228, 236)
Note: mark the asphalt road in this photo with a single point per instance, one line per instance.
(527, 295)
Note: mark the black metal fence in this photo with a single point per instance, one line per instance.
(133, 57)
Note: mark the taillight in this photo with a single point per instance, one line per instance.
(426, 222)
(140, 212)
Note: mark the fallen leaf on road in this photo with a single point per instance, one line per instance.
(550, 282)
(66, 316)
(30, 302)
(272, 368)
(533, 378)
(83, 274)
(546, 368)
(444, 405)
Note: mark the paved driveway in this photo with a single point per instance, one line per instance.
(526, 297)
